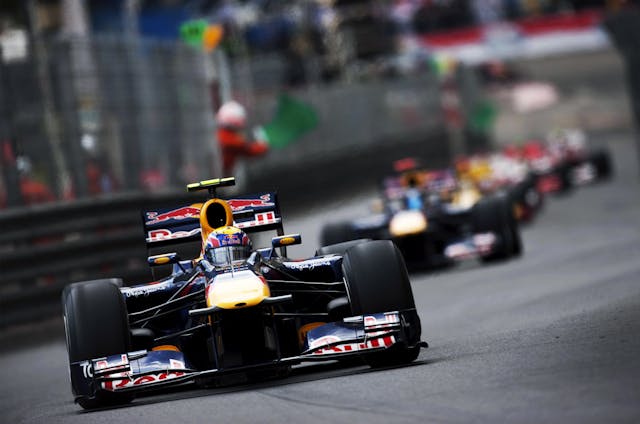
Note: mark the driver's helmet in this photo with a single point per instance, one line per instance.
(226, 246)
(232, 115)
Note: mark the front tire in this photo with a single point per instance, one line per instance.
(96, 325)
(495, 215)
(377, 281)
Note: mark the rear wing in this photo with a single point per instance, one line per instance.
(255, 213)
(431, 181)
(251, 212)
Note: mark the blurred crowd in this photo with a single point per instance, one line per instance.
(335, 35)
(424, 16)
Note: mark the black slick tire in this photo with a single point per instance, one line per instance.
(336, 232)
(601, 160)
(495, 214)
(96, 325)
(377, 281)
(339, 248)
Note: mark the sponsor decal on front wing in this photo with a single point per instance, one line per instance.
(478, 245)
(126, 381)
(377, 343)
(354, 334)
(123, 373)
(381, 321)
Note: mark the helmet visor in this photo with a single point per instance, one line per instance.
(226, 255)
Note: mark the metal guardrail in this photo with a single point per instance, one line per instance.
(44, 248)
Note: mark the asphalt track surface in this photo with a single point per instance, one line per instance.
(548, 338)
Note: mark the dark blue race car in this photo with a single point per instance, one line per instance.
(234, 310)
(436, 220)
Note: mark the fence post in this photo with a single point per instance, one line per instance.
(51, 121)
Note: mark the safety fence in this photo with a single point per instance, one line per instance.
(105, 114)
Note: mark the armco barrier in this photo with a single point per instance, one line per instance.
(43, 248)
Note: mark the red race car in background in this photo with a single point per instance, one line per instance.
(564, 161)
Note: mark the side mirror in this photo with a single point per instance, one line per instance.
(165, 259)
(286, 240)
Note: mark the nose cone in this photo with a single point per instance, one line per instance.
(241, 289)
(406, 223)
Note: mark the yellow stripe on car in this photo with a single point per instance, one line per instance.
(240, 289)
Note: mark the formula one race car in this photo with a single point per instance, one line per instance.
(564, 161)
(500, 172)
(551, 173)
(436, 220)
(585, 165)
(234, 313)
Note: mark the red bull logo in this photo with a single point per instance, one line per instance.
(163, 234)
(216, 239)
(126, 381)
(375, 343)
(241, 204)
(178, 214)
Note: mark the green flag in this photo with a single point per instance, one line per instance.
(293, 119)
(192, 32)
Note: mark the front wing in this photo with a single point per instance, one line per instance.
(471, 247)
(144, 370)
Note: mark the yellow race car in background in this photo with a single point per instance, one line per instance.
(436, 219)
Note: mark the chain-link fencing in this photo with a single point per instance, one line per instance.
(89, 116)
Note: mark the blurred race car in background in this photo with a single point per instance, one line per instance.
(585, 165)
(564, 161)
(235, 313)
(435, 220)
(499, 173)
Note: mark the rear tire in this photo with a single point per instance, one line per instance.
(517, 240)
(601, 160)
(96, 325)
(337, 232)
(377, 281)
(495, 215)
(526, 196)
(565, 172)
(339, 248)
